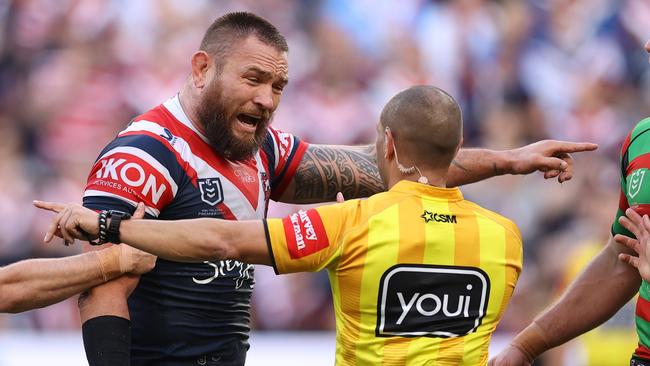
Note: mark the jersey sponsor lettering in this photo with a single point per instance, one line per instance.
(429, 216)
(133, 177)
(305, 233)
(240, 272)
(431, 301)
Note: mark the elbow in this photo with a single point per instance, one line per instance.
(214, 247)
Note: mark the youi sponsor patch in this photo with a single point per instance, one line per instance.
(431, 301)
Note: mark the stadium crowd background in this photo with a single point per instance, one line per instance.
(73, 73)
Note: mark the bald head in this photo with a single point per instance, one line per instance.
(426, 124)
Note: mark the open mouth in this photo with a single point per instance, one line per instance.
(249, 120)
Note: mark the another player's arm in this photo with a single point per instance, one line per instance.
(325, 170)
(559, 324)
(35, 283)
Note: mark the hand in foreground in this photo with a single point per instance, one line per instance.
(136, 261)
(510, 356)
(71, 222)
(640, 227)
(74, 221)
(548, 156)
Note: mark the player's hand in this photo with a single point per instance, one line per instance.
(138, 262)
(71, 222)
(340, 198)
(548, 156)
(640, 227)
(510, 356)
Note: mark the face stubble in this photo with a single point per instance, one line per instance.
(218, 126)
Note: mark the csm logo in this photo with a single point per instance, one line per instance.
(431, 301)
(211, 190)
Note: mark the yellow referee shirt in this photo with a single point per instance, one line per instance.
(419, 276)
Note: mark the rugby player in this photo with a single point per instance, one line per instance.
(419, 275)
(210, 152)
(609, 282)
(36, 283)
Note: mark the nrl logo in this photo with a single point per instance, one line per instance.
(211, 190)
(635, 182)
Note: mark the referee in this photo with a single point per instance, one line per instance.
(418, 273)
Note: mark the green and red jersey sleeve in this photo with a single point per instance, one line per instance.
(635, 193)
(635, 174)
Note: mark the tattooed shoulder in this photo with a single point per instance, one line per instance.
(326, 170)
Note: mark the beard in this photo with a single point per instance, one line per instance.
(212, 114)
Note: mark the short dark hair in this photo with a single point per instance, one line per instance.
(426, 123)
(228, 29)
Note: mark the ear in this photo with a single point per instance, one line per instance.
(389, 150)
(201, 63)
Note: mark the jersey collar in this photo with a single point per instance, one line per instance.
(407, 186)
(173, 105)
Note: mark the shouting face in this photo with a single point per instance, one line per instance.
(236, 106)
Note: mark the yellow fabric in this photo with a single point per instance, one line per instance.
(375, 247)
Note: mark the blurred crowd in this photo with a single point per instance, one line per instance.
(74, 72)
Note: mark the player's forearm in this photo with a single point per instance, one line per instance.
(473, 165)
(182, 241)
(37, 283)
(596, 295)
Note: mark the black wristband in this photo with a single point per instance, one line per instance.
(107, 341)
(113, 232)
(109, 232)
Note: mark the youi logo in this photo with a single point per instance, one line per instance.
(431, 301)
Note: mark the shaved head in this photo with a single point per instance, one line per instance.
(426, 124)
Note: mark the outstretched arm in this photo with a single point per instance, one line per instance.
(606, 274)
(325, 169)
(193, 240)
(36, 283)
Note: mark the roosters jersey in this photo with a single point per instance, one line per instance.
(189, 314)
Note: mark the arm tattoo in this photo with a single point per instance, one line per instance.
(460, 166)
(326, 170)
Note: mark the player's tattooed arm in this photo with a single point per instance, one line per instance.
(325, 170)
(352, 170)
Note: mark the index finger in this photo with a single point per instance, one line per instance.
(573, 147)
(49, 206)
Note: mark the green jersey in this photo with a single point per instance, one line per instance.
(635, 193)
